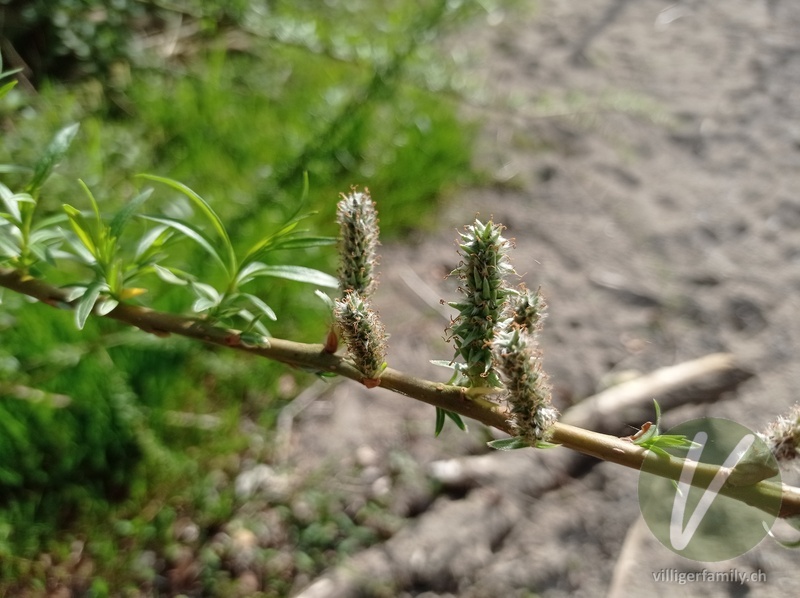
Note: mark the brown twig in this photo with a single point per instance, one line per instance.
(452, 398)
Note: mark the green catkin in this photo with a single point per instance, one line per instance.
(358, 243)
(482, 272)
(518, 361)
(356, 321)
(363, 333)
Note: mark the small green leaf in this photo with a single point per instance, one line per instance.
(261, 306)
(301, 202)
(443, 363)
(86, 303)
(73, 293)
(193, 233)
(203, 304)
(248, 273)
(8, 248)
(12, 201)
(92, 200)
(46, 224)
(206, 291)
(52, 155)
(209, 212)
(9, 168)
(325, 299)
(82, 228)
(80, 252)
(6, 88)
(443, 414)
(440, 419)
(456, 418)
(543, 444)
(647, 436)
(124, 215)
(306, 242)
(267, 244)
(297, 273)
(105, 307)
(253, 339)
(168, 276)
(151, 242)
(508, 444)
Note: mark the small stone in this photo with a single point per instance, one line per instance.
(262, 480)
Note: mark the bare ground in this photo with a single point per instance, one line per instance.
(645, 157)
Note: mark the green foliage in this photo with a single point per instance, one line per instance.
(65, 37)
(651, 438)
(24, 241)
(75, 440)
(312, 90)
(482, 274)
(231, 302)
(441, 417)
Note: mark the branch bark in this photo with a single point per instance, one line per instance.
(313, 357)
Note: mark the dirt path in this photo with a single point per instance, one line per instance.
(646, 162)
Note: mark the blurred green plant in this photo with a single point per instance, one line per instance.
(249, 101)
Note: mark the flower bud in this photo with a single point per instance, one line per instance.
(358, 243)
(363, 333)
(783, 436)
(518, 361)
(482, 273)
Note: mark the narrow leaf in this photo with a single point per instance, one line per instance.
(253, 339)
(203, 304)
(12, 201)
(508, 444)
(167, 275)
(253, 322)
(325, 299)
(82, 228)
(193, 233)
(7, 87)
(86, 304)
(74, 293)
(456, 420)
(47, 224)
(306, 242)
(261, 306)
(440, 419)
(204, 290)
(124, 215)
(52, 155)
(105, 307)
(248, 273)
(92, 200)
(287, 237)
(209, 212)
(7, 248)
(443, 363)
(151, 241)
(300, 274)
(80, 251)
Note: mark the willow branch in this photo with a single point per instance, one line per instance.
(314, 357)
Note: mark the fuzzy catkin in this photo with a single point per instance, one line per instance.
(358, 243)
(783, 436)
(519, 364)
(363, 333)
(527, 310)
(482, 273)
